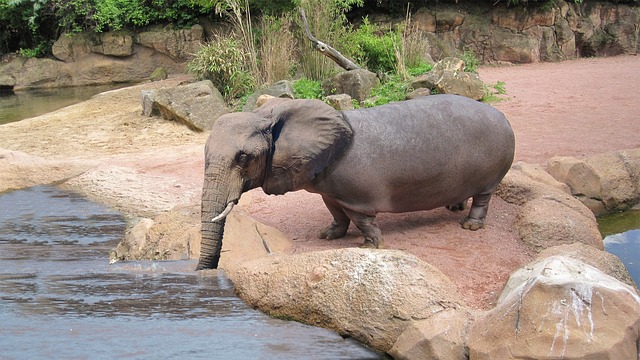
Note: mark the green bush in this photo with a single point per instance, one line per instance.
(373, 47)
(308, 89)
(224, 63)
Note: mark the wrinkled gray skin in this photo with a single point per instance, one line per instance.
(408, 156)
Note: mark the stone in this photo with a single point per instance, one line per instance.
(448, 77)
(605, 182)
(197, 105)
(448, 20)
(443, 336)
(601, 260)
(355, 83)
(514, 47)
(525, 182)
(117, 44)
(178, 44)
(424, 20)
(159, 74)
(246, 239)
(280, 89)
(71, 47)
(559, 307)
(340, 102)
(419, 92)
(170, 235)
(262, 99)
(545, 222)
(369, 295)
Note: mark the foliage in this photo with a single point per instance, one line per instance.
(36, 24)
(491, 92)
(394, 88)
(308, 89)
(373, 47)
(471, 61)
(224, 63)
(277, 48)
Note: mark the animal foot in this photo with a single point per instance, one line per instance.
(472, 224)
(334, 231)
(376, 243)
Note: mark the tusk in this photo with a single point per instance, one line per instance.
(224, 214)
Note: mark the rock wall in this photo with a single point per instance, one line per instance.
(91, 59)
(496, 34)
(525, 35)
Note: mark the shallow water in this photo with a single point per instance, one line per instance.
(621, 232)
(59, 297)
(25, 104)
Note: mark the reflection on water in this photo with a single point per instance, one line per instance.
(621, 232)
(25, 104)
(59, 297)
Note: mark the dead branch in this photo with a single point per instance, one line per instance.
(325, 49)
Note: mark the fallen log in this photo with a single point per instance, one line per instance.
(326, 49)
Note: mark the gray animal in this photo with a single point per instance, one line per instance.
(412, 155)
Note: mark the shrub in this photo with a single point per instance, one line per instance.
(224, 63)
(373, 47)
(308, 89)
(277, 49)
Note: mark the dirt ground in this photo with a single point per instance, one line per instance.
(144, 166)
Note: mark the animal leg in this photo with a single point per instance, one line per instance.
(340, 223)
(371, 231)
(478, 212)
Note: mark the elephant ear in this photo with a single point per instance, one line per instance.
(308, 135)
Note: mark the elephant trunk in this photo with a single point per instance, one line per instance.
(218, 196)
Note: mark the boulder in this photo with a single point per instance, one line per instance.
(355, 83)
(448, 77)
(71, 47)
(115, 43)
(549, 215)
(601, 260)
(559, 307)
(371, 296)
(178, 44)
(547, 222)
(281, 89)
(197, 105)
(605, 183)
(419, 92)
(442, 337)
(340, 102)
(518, 48)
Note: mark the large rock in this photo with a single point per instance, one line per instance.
(549, 215)
(605, 183)
(281, 89)
(372, 296)
(114, 44)
(559, 308)
(448, 77)
(197, 105)
(71, 47)
(178, 44)
(355, 83)
(601, 260)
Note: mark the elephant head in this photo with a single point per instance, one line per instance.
(280, 147)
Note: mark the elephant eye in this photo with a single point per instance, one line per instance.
(243, 159)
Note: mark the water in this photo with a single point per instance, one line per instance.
(25, 104)
(621, 232)
(59, 297)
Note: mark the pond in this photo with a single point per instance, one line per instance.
(621, 232)
(60, 298)
(23, 104)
